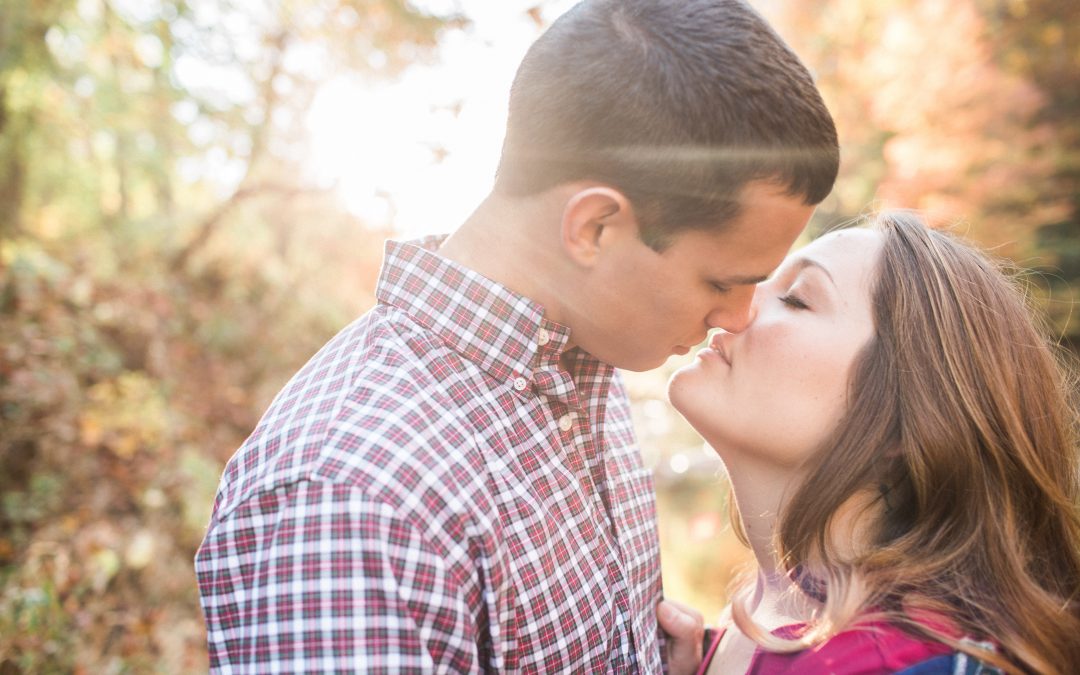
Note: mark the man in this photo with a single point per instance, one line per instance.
(452, 483)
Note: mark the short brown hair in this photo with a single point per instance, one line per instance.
(676, 104)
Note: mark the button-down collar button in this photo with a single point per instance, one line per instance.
(520, 384)
(565, 422)
(543, 337)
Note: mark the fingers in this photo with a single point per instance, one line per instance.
(686, 629)
(680, 621)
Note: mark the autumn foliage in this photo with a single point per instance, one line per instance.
(163, 270)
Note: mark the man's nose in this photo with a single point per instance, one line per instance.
(735, 314)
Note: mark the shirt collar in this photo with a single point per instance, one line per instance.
(487, 323)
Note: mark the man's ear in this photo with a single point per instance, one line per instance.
(590, 218)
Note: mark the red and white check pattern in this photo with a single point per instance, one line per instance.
(433, 492)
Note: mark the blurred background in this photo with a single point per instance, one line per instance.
(194, 197)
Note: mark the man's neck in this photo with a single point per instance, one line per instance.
(507, 241)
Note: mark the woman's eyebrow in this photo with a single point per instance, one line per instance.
(803, 263)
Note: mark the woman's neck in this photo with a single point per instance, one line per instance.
(759, 494)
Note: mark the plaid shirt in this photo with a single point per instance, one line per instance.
(433, 491)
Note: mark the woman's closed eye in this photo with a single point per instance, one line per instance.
(793, 301)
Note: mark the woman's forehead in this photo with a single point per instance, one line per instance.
(850, 247)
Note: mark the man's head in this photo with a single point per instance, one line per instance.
(678, 105)
(683, 147)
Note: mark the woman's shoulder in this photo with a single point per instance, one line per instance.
(873, 647)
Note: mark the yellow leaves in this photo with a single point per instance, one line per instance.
(140, 550)
(125, 415)
(19, 92)
(104, 565)
(91, 432)
(49, 222)
(8, 251)
(201, 480)
(154, 498)
(1053, 35)
(1018, 8)
(111, 196)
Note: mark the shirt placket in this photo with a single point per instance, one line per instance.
(577, 427)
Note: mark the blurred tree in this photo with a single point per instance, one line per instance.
(163, 268)
(918, 97)
(24, 62)
(965, 110)
(1040, 40)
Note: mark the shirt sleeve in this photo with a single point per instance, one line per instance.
(320, 577)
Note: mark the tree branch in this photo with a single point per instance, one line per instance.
(205, 229)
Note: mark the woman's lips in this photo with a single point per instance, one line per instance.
(716, 344)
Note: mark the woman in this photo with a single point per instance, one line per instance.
(901, 446)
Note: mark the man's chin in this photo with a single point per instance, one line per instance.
(640, 364)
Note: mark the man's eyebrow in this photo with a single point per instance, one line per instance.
(744, 281)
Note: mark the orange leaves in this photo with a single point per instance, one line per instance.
(124, 415)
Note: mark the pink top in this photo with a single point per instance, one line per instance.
(873, 648)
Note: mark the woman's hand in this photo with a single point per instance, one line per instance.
(686, 631)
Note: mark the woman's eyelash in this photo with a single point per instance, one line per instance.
(793, 301)
(719, 288)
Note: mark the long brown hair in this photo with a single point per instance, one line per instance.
(961, 437)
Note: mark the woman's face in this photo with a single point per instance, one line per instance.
(773, 392)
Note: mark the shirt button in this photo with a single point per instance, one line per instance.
(543, 337)
(521, 383)
(565, 422)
